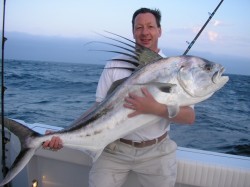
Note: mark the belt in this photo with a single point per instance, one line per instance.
(144, 143)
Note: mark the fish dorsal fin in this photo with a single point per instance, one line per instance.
(141, 55)
(116, 84)
(146, 55)
(126, 68)
(135, 63)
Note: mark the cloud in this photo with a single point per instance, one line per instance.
(220, 23)
(196, 29)
(216, 23)
(212, 36)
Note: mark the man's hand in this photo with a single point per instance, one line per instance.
(54, 144)
(145, 104)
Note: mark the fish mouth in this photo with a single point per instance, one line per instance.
(218, 78)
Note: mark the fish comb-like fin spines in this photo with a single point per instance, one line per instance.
(129, 69)
(132, 46)
(114, 45)
(119, 52)
(136, 64)
(145, 55)
(138, 52)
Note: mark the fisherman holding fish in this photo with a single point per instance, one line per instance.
(127, 128)
(149, 152)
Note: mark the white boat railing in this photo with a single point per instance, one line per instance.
(68, 167)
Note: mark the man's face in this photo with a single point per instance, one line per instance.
(146, 32)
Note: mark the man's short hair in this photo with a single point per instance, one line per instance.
(155, 12)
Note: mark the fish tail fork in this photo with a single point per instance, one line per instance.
(20, 162)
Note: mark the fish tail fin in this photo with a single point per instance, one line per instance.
(20, 162)
(25, 136)
(20, 130)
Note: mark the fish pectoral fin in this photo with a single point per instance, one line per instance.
(164, 87)
(20, 162)
(173, 110)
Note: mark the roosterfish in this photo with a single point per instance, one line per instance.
(174, 81)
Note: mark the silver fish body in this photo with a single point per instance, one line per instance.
(175, 81)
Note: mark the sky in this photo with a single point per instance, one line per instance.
(58, 30)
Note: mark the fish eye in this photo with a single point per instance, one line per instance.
(208, 67)
(182, 67)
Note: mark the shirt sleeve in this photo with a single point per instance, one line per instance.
(104, 83)
(113, 71)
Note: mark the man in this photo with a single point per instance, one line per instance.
(149, 152)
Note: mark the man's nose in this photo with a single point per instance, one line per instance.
(145, 30)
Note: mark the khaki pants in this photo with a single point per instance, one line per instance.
(155, 166)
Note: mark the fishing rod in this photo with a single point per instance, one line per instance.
(195, 38)
(4, 139)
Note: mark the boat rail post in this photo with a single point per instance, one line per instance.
(3, 88)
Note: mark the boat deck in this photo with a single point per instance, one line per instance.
(68, 167)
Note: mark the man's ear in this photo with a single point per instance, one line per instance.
(133, 33)
(159, 31)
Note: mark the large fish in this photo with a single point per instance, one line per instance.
(174, 81)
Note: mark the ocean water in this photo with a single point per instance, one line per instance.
(58, 93)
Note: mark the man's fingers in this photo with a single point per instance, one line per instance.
(57, 143)
(133, 114)
(146, 92)
(54, 144)
(126, 105)
(45, 144)
(130, 101)
(49, 132)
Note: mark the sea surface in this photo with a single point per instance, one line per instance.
(57, 93)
